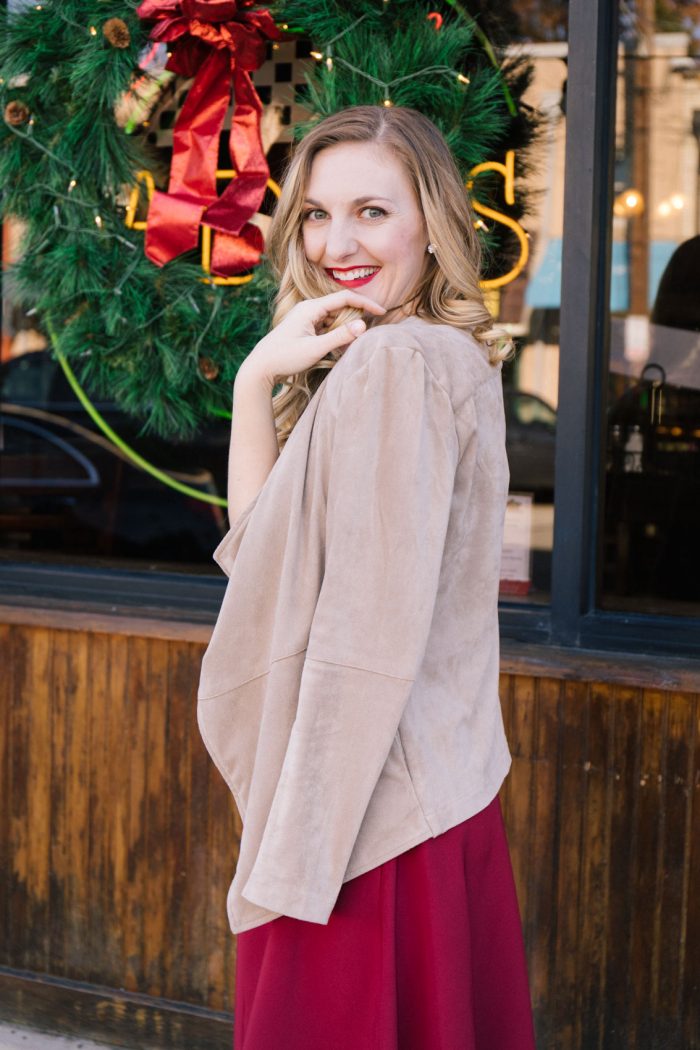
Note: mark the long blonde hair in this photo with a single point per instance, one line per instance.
(448, 291)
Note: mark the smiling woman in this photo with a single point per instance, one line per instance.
(374, 188)
(378, 238)
(351, 702)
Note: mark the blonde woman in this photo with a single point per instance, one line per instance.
(349, 694)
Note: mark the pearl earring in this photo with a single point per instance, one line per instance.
(431, 249)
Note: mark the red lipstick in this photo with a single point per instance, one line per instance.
(349, 269)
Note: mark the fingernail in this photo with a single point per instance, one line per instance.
(356, 327)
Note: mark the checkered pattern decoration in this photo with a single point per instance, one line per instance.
(277, 80)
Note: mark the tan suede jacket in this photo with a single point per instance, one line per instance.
(349, 694)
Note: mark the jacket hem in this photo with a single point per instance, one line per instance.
(251, 924)
(439, 821)
(435, 823)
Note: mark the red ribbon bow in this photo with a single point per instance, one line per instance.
(217, 42)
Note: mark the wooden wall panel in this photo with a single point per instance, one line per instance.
(118, 840)
(601, 807)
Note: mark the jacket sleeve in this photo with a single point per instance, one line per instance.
(392, 469)
(225, 553)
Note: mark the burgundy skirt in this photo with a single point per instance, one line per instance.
(423, 952)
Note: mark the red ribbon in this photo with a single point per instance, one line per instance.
(218, 42)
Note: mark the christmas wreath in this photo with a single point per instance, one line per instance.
(152, 283)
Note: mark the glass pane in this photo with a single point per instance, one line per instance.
(528, 306)
(650, 557)
(68, 494)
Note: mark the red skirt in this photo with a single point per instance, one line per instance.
(423, 952)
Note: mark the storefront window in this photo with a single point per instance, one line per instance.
(68, 494)
(650, 557)
(529, 308)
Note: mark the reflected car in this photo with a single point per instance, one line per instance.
(65, 488)
(531, 424)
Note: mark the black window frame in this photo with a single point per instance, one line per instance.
(571, 619)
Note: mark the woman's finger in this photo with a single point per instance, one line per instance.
(326, 304)
(338, 337)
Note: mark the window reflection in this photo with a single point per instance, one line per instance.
(529, 308)
(68, 494)
(650, 560)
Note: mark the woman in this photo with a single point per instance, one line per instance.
(349, 694)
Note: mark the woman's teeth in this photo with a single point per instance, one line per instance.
(354, 275)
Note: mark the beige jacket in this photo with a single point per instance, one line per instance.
(349, 694)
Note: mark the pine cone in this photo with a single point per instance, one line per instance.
(16, 113)
(117, 32)
(208, 368)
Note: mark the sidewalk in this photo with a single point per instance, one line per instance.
(15, 1038)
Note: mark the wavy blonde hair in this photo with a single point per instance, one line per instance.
(447, 292)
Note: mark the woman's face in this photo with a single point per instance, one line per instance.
(362, 222)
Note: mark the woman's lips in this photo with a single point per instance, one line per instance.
(355, 282)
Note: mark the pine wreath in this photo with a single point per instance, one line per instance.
(161, 341)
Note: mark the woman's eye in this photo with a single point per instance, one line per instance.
(372, 211)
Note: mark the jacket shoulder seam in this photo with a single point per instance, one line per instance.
(413, 350)
(417, 350)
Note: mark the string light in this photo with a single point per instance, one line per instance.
(386, 85)
(92, 30)
(348, 29)
(326, 55)
(29, 137)
(72, 184)
(59, 225)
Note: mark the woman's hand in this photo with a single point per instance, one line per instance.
(295, 344)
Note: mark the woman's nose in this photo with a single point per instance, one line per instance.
(340, 242)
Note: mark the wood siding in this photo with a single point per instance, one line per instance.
(118, 837)
(603, 815)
